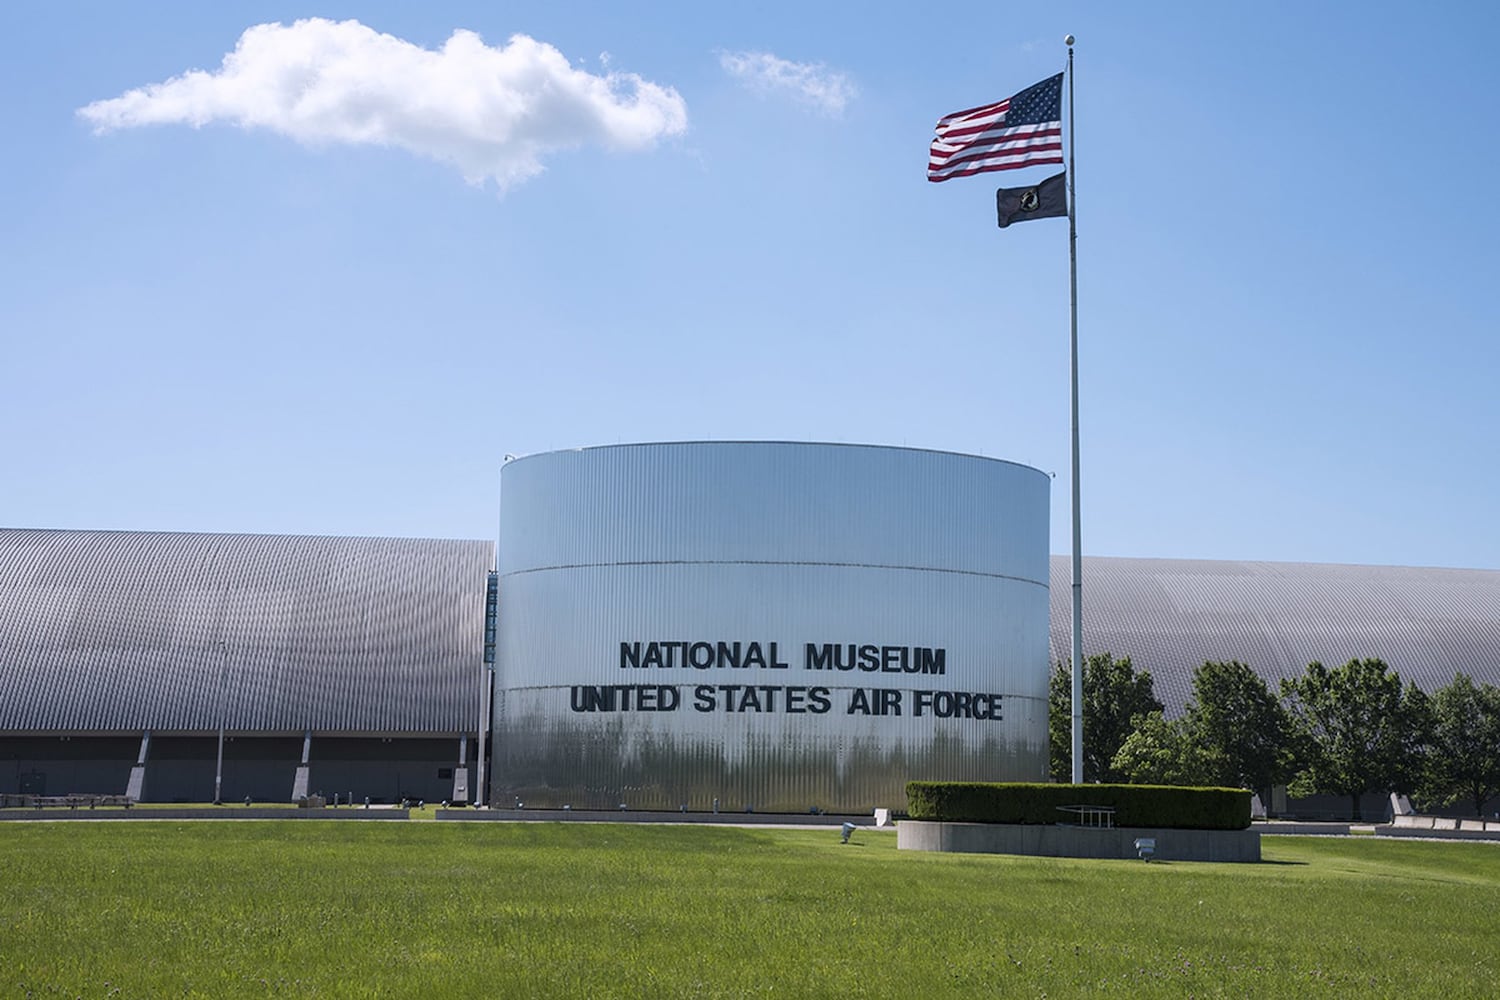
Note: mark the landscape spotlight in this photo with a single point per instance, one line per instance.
(848, 829)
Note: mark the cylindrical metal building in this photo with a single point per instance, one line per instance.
(770, 626)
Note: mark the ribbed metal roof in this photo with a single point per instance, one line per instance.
(109, 631)
(123, 631)
(1171, 615)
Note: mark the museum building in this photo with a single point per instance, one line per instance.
(734, 625)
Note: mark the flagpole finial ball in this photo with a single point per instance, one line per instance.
(1068, 40)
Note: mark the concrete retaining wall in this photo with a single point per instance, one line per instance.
(1440, 827)
(1277, 827)
(1416, 822)
(1077, 841)
(1437, 834)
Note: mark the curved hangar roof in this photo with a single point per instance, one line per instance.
(1171, 615)
(106, 631)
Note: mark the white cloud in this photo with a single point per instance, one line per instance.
(811, 84)
(493, 112)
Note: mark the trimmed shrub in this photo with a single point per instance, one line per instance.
(1165, 806)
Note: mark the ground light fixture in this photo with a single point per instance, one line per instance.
(847, 830)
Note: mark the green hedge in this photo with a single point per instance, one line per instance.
(1135, 805)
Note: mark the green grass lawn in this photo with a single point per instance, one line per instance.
(498, 909)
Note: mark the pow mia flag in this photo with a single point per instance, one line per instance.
(1040, 201)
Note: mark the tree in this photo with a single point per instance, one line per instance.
(1159, 752)
(1243, 731)
(1364, 730)
(1113, 695)
(1465, 759)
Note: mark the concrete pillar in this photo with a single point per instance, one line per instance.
(461, 772)
(134, 790)
(299, 783)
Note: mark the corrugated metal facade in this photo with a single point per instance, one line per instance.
(118, 632)
(1171, 615)
(741, 543)
(114, 631)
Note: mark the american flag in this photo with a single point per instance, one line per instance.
(1017, 132)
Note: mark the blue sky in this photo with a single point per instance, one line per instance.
(701, 222)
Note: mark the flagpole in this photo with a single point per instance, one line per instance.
(1077, 529)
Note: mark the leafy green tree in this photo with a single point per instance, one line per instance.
(1160, 752)
(1363, 730)
(1465, 760)
(1113, 694)
(1242, 730)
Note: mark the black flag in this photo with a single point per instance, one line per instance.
(1040, 201)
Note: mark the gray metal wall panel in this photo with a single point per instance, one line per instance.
(1172, 615)
(772, 502)
(112, 631)
(785, 543)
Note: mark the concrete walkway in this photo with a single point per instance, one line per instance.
(208, 814)
(787, 820)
